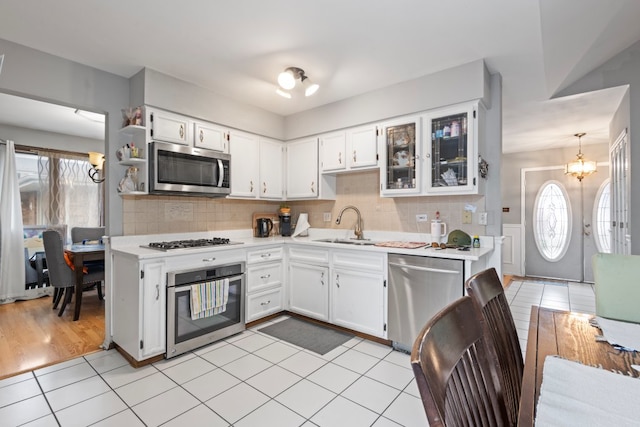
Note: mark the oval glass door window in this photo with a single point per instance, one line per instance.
(552, 221)
(602, 217)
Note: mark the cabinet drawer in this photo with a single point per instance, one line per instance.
(264, 276)
(265, 255)
(361, 260)
(305, 254)
(264, 303)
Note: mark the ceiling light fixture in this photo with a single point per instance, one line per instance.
(287, 81)
(97, 162)
(580, 167)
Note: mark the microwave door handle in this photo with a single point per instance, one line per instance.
(220, 173)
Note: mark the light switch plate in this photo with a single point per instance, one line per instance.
(466, 217)
(482, 218)
(326, 217)
(421, 217)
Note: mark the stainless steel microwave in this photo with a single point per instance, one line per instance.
(181, 170)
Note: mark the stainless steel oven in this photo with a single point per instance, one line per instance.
(185, 334)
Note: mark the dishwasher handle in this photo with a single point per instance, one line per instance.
(428, 269)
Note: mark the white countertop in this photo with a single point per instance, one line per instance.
(132, 245)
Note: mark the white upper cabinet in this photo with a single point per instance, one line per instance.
(245, 163)
(256, 166)
(401, 161)
(451, 147)
(302, 169)
(210, 136)
(168, 127)
(352, 149)
(362, 146)
(333, 149)
(271, 169)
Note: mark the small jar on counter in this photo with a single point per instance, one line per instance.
(476, 241)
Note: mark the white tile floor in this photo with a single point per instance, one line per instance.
(247, 380)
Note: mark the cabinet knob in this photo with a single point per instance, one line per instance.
(340, 158)
(201, 135)
(354, 156)
(251, 186)
(157, 292)
(266, 255)
(313, 190)
(266, 276)
(265, 303)
(264, 187)
(181, 131)
(208, 259)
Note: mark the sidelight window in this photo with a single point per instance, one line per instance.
(552, 221)
(602, 217)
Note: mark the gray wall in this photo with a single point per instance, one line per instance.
(42, 139)
(513, 163)
(34, 74)
(621, 70)
(459, 84)
(182, 97)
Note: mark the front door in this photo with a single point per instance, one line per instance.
(559, 227)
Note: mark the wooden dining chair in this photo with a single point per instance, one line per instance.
(455, 369)
(486, 291)
(61, 276)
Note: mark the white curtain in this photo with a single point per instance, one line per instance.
(12, 286)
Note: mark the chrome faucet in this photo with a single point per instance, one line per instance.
(358, 229)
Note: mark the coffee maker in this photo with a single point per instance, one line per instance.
(285, 224)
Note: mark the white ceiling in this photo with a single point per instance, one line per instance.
(351, 47)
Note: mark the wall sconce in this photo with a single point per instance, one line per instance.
(97, 162)
(287, 81)
(580, 167)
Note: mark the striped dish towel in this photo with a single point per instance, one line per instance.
(209, 298)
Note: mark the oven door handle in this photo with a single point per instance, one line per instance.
(220, 173)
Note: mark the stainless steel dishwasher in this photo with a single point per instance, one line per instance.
(419, 287)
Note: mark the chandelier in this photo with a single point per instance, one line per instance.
(580, 167)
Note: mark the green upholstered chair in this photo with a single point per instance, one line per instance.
(617, 280)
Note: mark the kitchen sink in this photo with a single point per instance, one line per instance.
(363, 242)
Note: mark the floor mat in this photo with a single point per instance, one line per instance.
(310, 336)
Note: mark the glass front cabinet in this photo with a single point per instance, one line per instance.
(451, 150)
(401, 168)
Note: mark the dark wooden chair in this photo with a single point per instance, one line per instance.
(61, 276)
(455, 370)
(485, 289)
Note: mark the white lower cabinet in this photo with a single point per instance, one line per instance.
(343, 287)
(359, 291)
(139, 293)
(309, 290)
(265, 291)
(357, 301)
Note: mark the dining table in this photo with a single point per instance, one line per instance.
(82, 253)
(571, 336)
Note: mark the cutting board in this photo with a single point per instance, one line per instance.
(272, 216)
(403, 245)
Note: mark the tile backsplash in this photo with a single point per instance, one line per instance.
(175, 214)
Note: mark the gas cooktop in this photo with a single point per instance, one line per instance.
(189, 244)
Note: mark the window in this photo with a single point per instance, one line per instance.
(55, 189)
(552, 221)
(602, 217)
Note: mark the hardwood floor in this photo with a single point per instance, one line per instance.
(33, 336)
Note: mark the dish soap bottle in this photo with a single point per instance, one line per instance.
(476, 241)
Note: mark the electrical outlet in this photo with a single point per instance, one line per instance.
(421, 218)
(466, 217)
(326, 216)
(482, 218)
